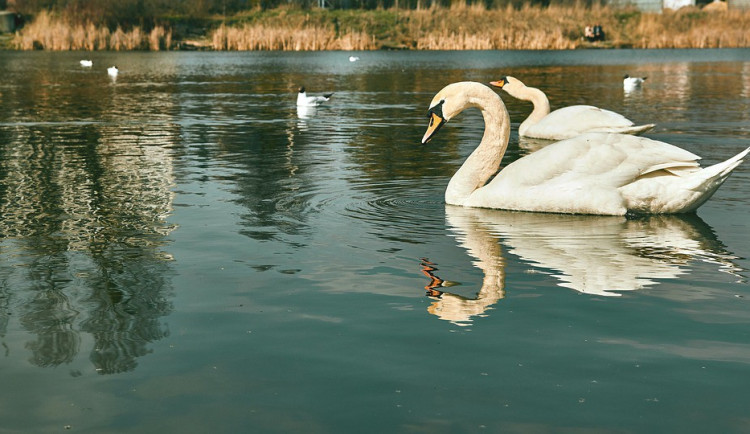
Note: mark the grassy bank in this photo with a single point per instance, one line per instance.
(459, 27)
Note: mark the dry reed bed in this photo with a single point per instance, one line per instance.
(691, 29)
(473, 27)
(49, 32)
(262, 37)
(459, 27)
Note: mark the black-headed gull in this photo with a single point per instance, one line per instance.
(311, 101)
(629, 82)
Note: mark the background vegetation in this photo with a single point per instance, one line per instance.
(365, 25)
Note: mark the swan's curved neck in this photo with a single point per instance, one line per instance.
(538, 98)
(484, 162)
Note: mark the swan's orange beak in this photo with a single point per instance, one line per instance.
(499, 83)
(436, 121)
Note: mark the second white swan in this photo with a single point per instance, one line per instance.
(595, 173)
(565, 122)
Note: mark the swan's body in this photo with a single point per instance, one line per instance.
(595, 173)
(311, 101)
(87, 63)
(353, 58)
(566, 122)
(630, 83)
(113, 71)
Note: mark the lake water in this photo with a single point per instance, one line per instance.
(182, 251)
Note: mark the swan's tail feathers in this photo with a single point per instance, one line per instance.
(720, 171)
(706, 181)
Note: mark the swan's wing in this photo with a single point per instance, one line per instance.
(612, 159)
(572, 121)
(581, 175)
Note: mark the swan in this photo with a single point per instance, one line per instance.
(353, 58)
(311, 101)
(630, 83)
(594, 173)
(112, 71)
(565, 122)
(87, 63)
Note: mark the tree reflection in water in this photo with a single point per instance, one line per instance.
(595, 255)
(84, 221)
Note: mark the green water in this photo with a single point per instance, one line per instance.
(182, 251)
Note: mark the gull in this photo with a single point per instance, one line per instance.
(629, 82)
(311, 101)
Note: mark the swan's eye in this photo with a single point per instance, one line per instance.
(437, 109)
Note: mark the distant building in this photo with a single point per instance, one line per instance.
(642, 5)
(676, 4)
(659, 5)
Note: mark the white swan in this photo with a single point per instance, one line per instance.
(595, 173)
(565, 122)
(87, 63)
(630, 83)
(113, 71)
(311, 101)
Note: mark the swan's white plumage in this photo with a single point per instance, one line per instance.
(595, 173)
(566, 122)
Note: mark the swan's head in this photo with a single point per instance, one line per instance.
(508, 84)
(437, 119)
(450, 101)
(302, 89)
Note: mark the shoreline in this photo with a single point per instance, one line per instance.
(465, 27)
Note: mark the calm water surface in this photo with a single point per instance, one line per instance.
(181, 250)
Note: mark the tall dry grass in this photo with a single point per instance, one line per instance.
(690, 28)
(459, 27)
(474, 27)
(49, 32)
(313, 38)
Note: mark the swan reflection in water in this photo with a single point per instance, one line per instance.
(594, 255)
